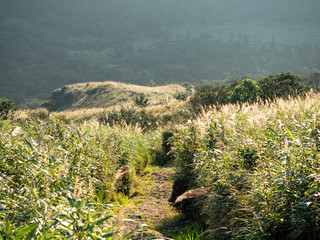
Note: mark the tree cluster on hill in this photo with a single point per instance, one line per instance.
(247, 90)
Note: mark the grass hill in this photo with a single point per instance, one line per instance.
(109, 94)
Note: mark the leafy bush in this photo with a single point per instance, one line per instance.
(40, 114)
(141, 101)
(181, 96)
(207, 95)
(282, 85)
(7, 108)
(246, 91)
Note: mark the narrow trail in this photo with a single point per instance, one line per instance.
(150, 203)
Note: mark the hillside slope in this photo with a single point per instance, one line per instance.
(47, 44)
(108, 94)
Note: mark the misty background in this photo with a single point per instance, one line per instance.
(46, 44)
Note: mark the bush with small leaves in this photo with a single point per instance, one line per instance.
(141, 101)
(208, 95)
(181, 96)
(7, 108)
(282, 85)
(246, 91)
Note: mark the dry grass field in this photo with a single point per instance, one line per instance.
(110, 94)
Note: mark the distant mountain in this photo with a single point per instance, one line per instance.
(47, 44)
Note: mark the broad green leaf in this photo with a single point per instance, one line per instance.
(29, 144)
(102, 220)
(26, 230)
(108, 235)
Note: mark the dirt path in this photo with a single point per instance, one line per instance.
(150, 202)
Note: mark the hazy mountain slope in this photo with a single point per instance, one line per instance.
(47, 44)
(109, 94)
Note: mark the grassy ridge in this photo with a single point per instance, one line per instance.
(109, 94)
(261, 163)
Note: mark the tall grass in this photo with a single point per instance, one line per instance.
(261, 163)
(57, 180)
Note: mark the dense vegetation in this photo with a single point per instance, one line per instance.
(7, 108)
(282, 85)
(261, 163)
(57, 179)
(254, 146)
(48, 44)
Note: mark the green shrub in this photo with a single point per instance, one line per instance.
(185, 144)
(141, 101)
(7, 108)
(282, 85)
(246, 91)
(40, 114)
(181, 96)
(207, 95)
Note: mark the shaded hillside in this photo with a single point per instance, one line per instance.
(108, 94)
(45, 44)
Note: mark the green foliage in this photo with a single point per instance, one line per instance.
(282, 85)
(189, 232)
(57, 179)
(8, 231)
(261, 164)
(141, 101)
(185, 145)
(246, 91)
(181, 96)
(7, 108)
(151, 83)
(208, 95)
(162, 155)
(40, 114)
(274, 86)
